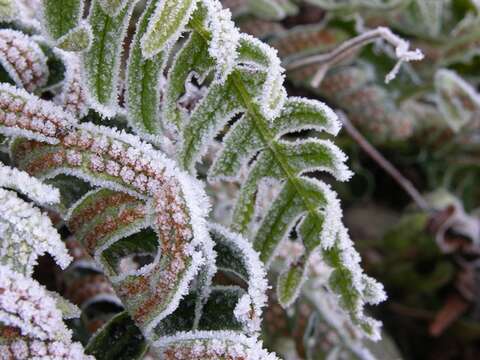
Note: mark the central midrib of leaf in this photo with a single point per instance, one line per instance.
(266, 135)
(269, 140)
(100, 57)
(145, 113)
(63, 26)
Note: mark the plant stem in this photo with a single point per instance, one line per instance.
(344, 50)
(386, 165)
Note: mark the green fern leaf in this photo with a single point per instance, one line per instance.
(143, 81)
(60, 17)
(165, 25)
(290, 283)
(77, 39)
(102, 60)
(254, 89)
(112, 7)
(193, 58)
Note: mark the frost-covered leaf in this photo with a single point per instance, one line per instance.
(29, 314)
(211, 345)
(26, 234)
(77, 39)
(119, 339)
(458, 101)
(218, 313)
(73, 95)
(20, 181)
(346, 339)
(23, 59)
(193, 58)
(208, 118)
(176, 208)
(26, 115)
(263, 76)
(165, 25)
(354, 287)
(290, 283)
(8, 10)
(112, 7)
(224, 37)
(254, 89)
(144, 78)
(102, 60)
(245, 262)
(145, 223)
(272, 9)
(59, 18)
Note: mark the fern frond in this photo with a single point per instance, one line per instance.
(236, 254)
(144, 204)
(112, 7)
(26, 115)
(123, 163)
(62, 24)
(26, 233)
(73, 96)
(144, 77)
(20, 181)
(211, 345)
(253, 88)
(78, 39)
(31, 322)
(23, 59)
(165, 24)
(102, 60)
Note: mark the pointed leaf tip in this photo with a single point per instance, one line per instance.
(166, 25)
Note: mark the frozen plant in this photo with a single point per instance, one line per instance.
(143, 216)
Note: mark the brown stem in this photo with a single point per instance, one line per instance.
(383, 163)
(347, 48)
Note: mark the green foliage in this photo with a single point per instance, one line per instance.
(60, 17)
(102, 60)
(165, 25)
(118, 339)
(192, 82)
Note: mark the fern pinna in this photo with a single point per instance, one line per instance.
(69, 107)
